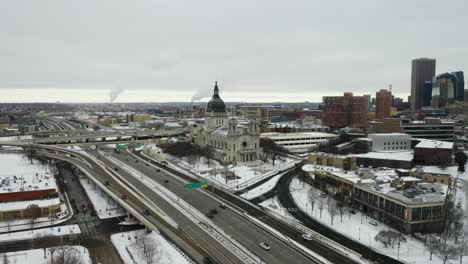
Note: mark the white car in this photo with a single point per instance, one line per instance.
(265, 246)
(374, 223)
(307, 237)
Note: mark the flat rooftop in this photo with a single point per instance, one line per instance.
(15, 183)
(434, 144)
(274, 135)
(387, 155)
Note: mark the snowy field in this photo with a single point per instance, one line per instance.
(413, 251)
(130, 247)
(19, 165)
(105, 207)
(43, 232)
(80, 255)
(246, 175)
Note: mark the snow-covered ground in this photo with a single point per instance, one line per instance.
(215, 172)
(19, 165)
(36, 256)
(274, 205)
(105, 207)
(262, 189)
(43, 232)
(362, 231)
(130, 252)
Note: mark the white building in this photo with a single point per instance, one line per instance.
(390, 141)
(299, 142)
(234, 142)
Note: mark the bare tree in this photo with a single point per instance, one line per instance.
(65, 255)
(5, 259)
(389, 238)
(461, 249)
(32, 212)
(271, 149)
(313, 196)
(321, 206)
(332, 210)
(30, 152)
(208, 152)
(432, 244)
(446, 252)
(457, 223)
(341, 210)
(148, 248)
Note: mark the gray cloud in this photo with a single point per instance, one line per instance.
(261, 46)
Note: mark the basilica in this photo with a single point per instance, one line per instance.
(233, 141)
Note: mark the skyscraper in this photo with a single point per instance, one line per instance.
(383, 104)
(447, 88)
(422, 70)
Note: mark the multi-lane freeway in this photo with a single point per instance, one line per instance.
(229, 219)
(240, 237)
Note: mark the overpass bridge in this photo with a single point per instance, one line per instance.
(101, 137)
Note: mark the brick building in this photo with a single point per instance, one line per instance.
(345, 111)
(383, 104)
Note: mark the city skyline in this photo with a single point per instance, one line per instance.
(157, 52)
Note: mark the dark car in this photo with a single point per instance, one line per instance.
(207, 260)
(158, 170)
(146, 212)
(222, 206)
(166, 181)
(209, 215)
(214, 211)
(93, 213)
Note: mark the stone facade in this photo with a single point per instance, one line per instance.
(233, 141)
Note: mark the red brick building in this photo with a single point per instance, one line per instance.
(345, 111)
(383, 104)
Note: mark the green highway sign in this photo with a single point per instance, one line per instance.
(201, 184)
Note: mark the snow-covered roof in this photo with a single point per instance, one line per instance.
(434, 144)
(410, 179)
(396, 155)
(221, 131)
(21, 205)
(21, 184)
(277, 135)
(172, 124)
(388, 134)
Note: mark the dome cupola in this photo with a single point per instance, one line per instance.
(216, 104)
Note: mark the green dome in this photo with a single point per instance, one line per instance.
(216, 104)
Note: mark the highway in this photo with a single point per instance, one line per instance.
(193, 234)
(232, 223)
(235, 225)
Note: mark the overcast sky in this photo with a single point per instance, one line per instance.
(261, 50)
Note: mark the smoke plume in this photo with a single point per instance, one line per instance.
(114, 93)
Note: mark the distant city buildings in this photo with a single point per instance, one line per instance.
(345, 111)
(429, 128)
(422, 70)
(383, 104)
(447, 88)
